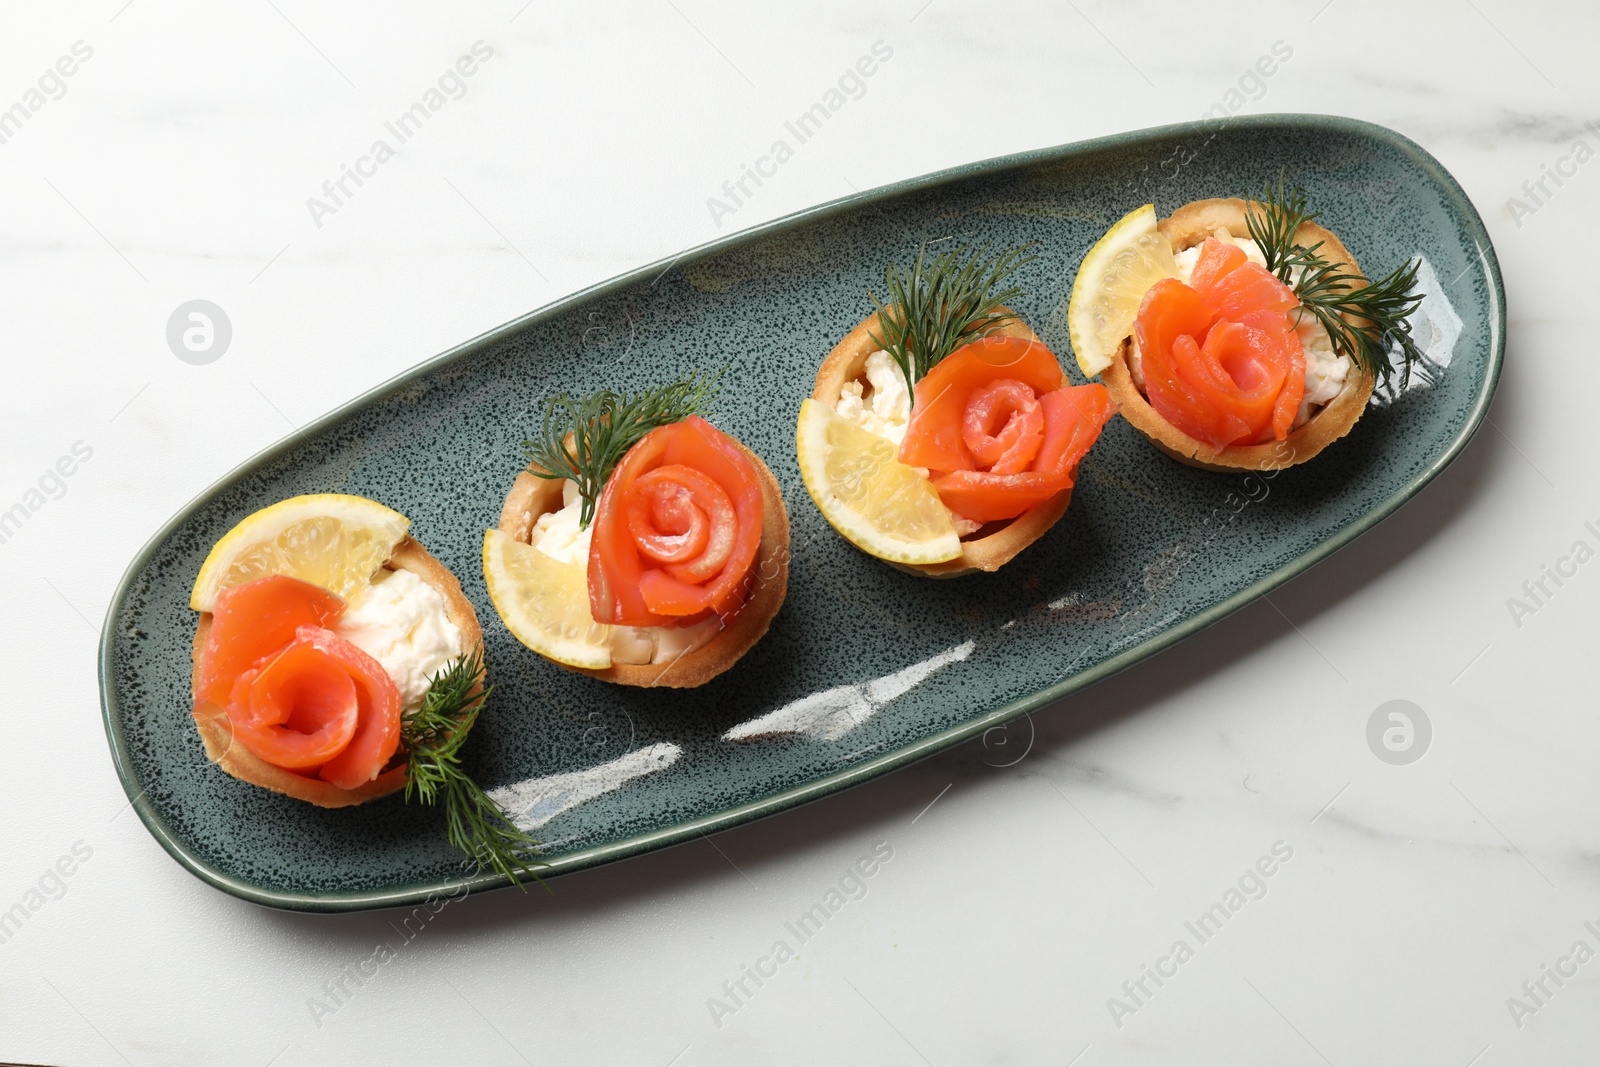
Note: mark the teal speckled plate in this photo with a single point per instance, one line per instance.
(865, 669)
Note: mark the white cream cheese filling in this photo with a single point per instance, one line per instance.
(402, 622)
(885, 411)
(556, 533)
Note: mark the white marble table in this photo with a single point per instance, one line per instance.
(1407, 905)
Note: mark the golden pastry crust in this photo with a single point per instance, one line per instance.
(1184, 228)
(995, 544)
(531, 496)
(217, 734)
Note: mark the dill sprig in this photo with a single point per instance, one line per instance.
(1382, 309)
(604, 425)
(432, 738)
(943, 303)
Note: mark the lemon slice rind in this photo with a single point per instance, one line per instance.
(544, 602)
(882, 506)
(1112, 279)
(334, 540)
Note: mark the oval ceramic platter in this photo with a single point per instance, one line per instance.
(865, 669)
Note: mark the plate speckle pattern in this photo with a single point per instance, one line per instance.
(1149, 551)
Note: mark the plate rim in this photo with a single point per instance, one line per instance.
(827, 784)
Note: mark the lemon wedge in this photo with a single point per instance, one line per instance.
(328, 539)
(1111, 283)
(544, 602)
(882, 506)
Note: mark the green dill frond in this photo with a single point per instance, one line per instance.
(432, 739)
(1380, 336)
(604, 425)
(943, 303)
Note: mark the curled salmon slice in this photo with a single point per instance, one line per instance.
(676, 529)
(254, 620)
(298, 711)
(936, 434)
(1233, 286)
(377, 733)
(1280, 336)
(1073, 418)
(681, 518)
(998, 428)
(1003, 426)
(1221, 360)
(321, 706)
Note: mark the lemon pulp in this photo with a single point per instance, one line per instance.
(882, 506)
(332, 540)
(1111, 284)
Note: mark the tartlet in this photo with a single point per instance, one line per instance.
(1185, 228)
(216, 732)
(994, 544)
(532, 496)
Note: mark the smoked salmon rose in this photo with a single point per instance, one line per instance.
(306, 691)
(998, 429)
(1220, 360)
(676, 530)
